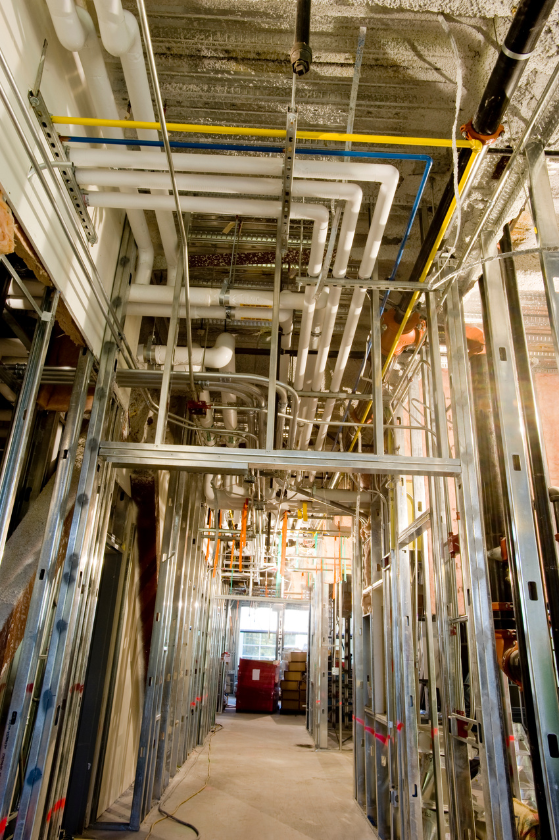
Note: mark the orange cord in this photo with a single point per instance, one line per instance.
(208, 538)
(243, 536)
(217, 554)
(284, 541)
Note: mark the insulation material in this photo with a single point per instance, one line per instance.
(126, 716)
(19, 563)
(6, 229)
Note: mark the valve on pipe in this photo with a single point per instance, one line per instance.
(301, 55)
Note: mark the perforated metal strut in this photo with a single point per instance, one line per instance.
(66, 172)
(287, 176)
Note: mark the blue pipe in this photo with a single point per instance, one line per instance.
(236, 147)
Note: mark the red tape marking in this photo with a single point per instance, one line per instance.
(399, 726)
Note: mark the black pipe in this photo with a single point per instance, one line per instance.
(543, 513)
(301, 55)
(520, 40)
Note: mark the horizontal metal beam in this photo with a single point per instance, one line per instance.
(238, 461)
(261, 598)
(415, 529)
(350, 282)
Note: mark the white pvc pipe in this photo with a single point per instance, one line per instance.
(350, 193)
(227, 206)
(76, 31)
(237, 313)
(67, 24)
(304, 336)
(205, 296)
(217, 356)
(321, 361)
(384, 174)
(117, 30)
(227, 341)
(121, 37)
(342, 358)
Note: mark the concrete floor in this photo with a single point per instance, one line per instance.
(266, 783)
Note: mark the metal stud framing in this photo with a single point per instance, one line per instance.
(541, 695)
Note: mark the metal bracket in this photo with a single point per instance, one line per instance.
(57, 150)
(287, 176)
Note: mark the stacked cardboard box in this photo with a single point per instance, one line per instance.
(294, 682)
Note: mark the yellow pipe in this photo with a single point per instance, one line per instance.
(383, 139)
(421, 279)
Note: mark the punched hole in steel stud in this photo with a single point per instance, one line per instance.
(533, 593)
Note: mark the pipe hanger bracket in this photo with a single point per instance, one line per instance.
(469, 133)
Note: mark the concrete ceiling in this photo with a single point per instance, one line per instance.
(226, 62)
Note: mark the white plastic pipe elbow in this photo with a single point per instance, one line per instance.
(118, 28)
(67, 24)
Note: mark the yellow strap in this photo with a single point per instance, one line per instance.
(190, 128)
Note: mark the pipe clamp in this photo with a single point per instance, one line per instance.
(514, 55)
(469, 132)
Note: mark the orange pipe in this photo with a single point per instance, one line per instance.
(243, 536)
(217, 553)
(284, 542)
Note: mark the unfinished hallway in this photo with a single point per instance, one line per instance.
(279, 323)
(266, 781)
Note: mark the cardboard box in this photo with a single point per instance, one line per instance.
(298, 666)
(298, 656)
(289, 685)
(290, 705)
(293, 676)
(289, 695)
